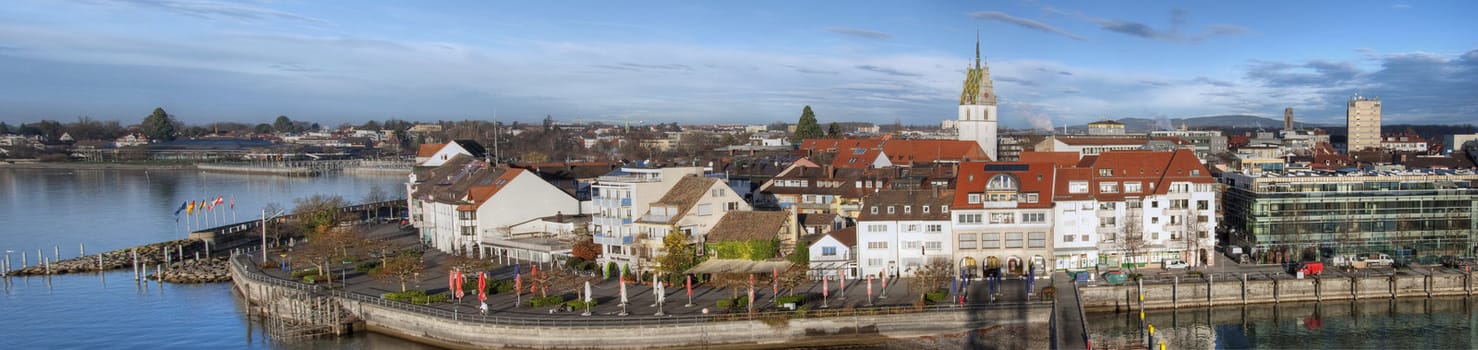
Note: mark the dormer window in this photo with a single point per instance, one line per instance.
(926, 209)
(890, 209)
(908, 209)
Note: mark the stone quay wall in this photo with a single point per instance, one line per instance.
(1225, 290)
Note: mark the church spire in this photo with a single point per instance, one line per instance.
(977, 49)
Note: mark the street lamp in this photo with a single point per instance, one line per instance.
(264, 232)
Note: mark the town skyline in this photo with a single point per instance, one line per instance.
(207, 61)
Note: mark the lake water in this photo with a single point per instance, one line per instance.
(51, 209)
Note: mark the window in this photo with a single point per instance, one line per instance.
(1036, 240)
(1175, 220)
(890, 209)
(973, 198)
(1133, 203)
(934, 228)
(828, 251)
(1033, 217)
(1155, 220)
(1154, 204)
(1155, 235)
(1013, 239)
(1108, 187)
(1067, 238)
(732, 206)
(717, 192)
(1202, 205)
(1195, 172)
(1105, 172)
(705, 209)
(1107, 205)
(1180, 187)
(1002, 218)
(1030, 198)
(1001, 183)
(877, 228)
(1107, 222)
(1077, 187)
(1178, 203)
(990, 240)
(467, 215)
(911, 228)
(877, 245)
(926, 209)
(1133, 187)
(944, 208)
(969, 218)
(1084, 238)
(967, 241)
(1086, 206)
(910, 245)
(875, 262)
(908, 209)
(469, 230)
(933, 245)
(1201, 219)
(874, 210)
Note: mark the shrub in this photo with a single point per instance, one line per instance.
(368, 266)
(741, 301)
(724, 303)
(937, 296)
(428, 299)
(785, 299)
(500, 286)
(314, 279)
(404, 296)
(801, 312)
(301, 273)
(546, 301)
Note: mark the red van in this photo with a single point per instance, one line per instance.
(1309, 268)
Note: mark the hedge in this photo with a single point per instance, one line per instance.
(937, 296)
(546, 301)
(786, 299)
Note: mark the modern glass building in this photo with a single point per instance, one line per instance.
(1417, 214)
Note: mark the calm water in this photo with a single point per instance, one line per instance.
(1440, 323)
(112, 209)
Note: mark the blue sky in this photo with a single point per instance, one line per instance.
(1053, 63)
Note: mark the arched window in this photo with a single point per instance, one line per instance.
(1002, 183)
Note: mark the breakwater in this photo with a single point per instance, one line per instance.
(178, 261)
(1243, 289)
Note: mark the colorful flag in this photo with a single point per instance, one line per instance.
(182, 208)
(190, 209)
(219, 200)
(233, 203)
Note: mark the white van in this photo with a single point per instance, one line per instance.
(1377, 259)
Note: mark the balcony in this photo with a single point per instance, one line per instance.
(626, 202)
(613, 240)
(998, 204)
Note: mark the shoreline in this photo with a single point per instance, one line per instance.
(95, 166)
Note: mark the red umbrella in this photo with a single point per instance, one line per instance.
(482, 287)
(518, 284)
(690, 285)
(451, 281)
(534, 284)
(825, 287)
(775, 281)
(460, 281)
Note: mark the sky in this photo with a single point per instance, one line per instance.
(751, 62)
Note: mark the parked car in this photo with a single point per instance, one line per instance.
(1309, 268)
(1456, 262)
(1377, 259)
(1176, 264)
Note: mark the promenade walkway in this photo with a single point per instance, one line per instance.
(642, 298)
(1071, 330)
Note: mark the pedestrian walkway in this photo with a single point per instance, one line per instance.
(1071, 330)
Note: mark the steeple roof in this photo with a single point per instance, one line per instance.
(978, 89)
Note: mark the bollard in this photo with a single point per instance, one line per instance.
(24, 262)
(47, 262)
(100, 263)
(56, 252)
(81, 251)
(135, 264)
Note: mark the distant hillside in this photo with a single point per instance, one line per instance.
(1215, 121)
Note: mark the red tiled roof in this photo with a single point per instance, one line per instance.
(914, 200)
(930, 151)
(1062, 159)
(481, 193)
(1154, 169)
(1030, 178)
(1065, 176)
(428, 150)
(847, 236)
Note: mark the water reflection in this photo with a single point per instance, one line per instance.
(1444, 323)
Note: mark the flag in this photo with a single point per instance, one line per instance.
(482, 286)
(219, 200)
(190, 209)
(233, 202)
(182, 208)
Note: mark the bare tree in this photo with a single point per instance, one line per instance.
(375, 195)
(1132, 241)
(401, 268)
(932, 276)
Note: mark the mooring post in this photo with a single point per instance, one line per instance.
(81, 250)
(135, 264)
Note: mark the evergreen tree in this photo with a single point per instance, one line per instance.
(833, 130)
(4, 128)
(807, 127)
(283, 124)
(158, 126)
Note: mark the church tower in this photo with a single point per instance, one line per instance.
(977, 121)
